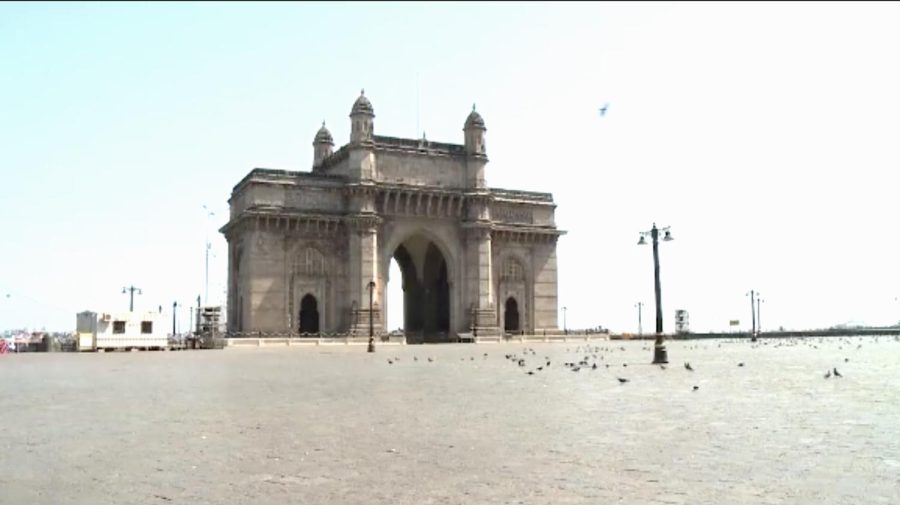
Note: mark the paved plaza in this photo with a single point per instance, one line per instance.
(335, 425)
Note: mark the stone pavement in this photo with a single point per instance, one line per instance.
(335, 425)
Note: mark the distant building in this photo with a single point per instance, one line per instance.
(681, 321)
(121, 330)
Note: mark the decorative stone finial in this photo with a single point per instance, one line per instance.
(473, 107)
(362, 91)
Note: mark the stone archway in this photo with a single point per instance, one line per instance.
(511, 316)
(309, 314)
(426, 290)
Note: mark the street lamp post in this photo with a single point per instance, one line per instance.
(659, 349)
(640, 328)
(758, 317)
(565, 326)
(174, 308)
(209, 214)
(131, 289)
(752, 294)
(371, 323)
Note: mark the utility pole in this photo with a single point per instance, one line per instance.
(758, 317)
(640, 328)
(131, 289)
(174, 311)
(752, 315)
(209, 213)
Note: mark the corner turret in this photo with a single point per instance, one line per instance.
(322, 146)
(361, 120)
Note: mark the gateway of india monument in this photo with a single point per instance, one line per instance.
(306, 248)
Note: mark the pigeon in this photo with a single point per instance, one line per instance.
(430, 359)
(415, 358)
(828, 374)
(836, 373)
(594, 367)
(390, 362)
(540, 368)
(663, 367)
(530, 372)
(621, 380)
(688, 366)
(696, 388)
(741, 363)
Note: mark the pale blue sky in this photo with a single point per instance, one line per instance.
(764, 134)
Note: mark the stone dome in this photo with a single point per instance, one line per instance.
(362, 105)
(323, 136)
(474, 120)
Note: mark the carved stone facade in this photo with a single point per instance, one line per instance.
(305, 246)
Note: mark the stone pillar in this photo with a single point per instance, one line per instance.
(363, 229)
(483, 313)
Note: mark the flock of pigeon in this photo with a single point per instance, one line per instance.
(593, 356)
(584, 363)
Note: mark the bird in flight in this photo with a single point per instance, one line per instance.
(603, 109)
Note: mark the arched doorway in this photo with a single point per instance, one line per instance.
(309, 314)
(511, 319)
(426, 290)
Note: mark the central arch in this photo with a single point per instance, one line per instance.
(426, 289)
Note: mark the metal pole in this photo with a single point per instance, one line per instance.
(208, 245)
(659, 349)
(565, 326)
(758, 318)
(371, 347)
(174, 307)
(753, 315)
(640, 327)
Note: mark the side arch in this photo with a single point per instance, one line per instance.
(309, 314)
(514, 279)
